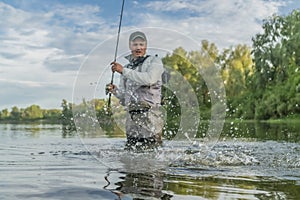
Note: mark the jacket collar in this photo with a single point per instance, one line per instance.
(130, 57)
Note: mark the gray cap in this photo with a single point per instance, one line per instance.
(137, 34)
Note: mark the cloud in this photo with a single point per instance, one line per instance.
(218, 8)
(25, 93)
(29, 84)
(59, 61)
(41, 52)
(174, 5)
(71, 31)
(225, 23)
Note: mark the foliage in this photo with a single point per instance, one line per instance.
(33, 112)
(67, 119)
(237, 67)
(30, 113)
(276, 78)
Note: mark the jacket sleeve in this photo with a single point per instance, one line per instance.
(152, 74)
(120, 91)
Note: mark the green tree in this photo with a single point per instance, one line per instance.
(52, 114)
(202, 61)
(67, 119)
(276, 54)
(15, 113)
(5, 114)
(237, 67)
(179, 66)
(32, 112)
(237, 70)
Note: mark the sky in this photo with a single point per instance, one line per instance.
(47, 46)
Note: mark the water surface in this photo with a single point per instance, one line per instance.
(251, 161)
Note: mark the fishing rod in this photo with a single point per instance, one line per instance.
(116, 52)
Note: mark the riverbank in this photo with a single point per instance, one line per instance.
(32, 121)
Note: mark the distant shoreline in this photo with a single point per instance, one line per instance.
(33, 121)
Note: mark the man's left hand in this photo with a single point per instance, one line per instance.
(110, 88)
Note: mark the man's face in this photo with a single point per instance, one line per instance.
(138, 47)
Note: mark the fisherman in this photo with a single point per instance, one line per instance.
(140, 92)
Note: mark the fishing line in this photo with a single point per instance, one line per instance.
(116, 51)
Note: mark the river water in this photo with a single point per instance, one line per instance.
(251, 161)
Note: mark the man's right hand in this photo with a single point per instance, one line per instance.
(116, 67)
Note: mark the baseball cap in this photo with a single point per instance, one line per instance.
(137, 34)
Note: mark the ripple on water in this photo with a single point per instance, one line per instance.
(72, 169)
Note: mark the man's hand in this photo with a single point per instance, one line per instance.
(110, 88)
(116, 67)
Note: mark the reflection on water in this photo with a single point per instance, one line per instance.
(233, 187)
(252, 161)
(140, 185)
(263, 131)
(235, 171)
(28, 130)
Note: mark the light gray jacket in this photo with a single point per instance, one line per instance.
(141, 84)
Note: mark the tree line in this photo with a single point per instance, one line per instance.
(261, 81)
(30, 113)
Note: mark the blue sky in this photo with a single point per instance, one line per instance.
(45, 43)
